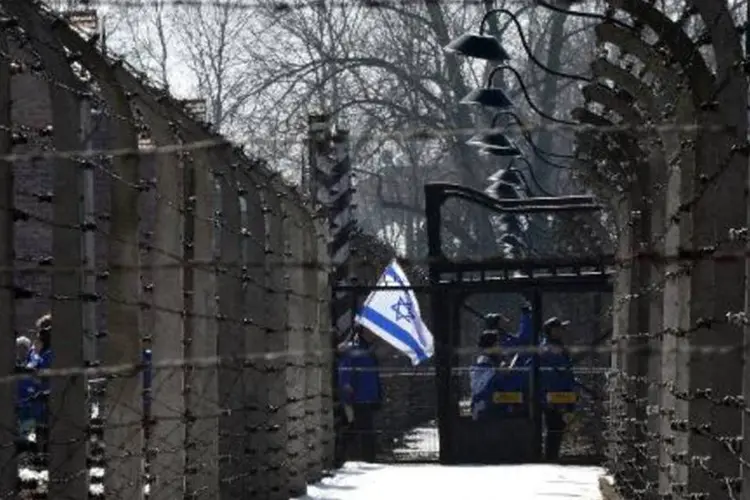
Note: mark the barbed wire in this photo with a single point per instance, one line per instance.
(417, 133)
(273, 293)
(273, 5)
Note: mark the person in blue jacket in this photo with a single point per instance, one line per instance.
(42, 360)
(523, 338)
(26, 387)
(483, 374)
(556, 376)
(360, 395)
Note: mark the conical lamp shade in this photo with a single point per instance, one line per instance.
(509, 176)
(502, 189)
(491, 97)
(494, 143)
(479, 47)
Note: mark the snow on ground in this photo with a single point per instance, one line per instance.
(361, 481)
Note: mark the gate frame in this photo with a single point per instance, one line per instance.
(539, 276)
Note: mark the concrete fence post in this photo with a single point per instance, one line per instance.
(9, 472)
(231, 342)
(256, 316)
(313, 345)
(201, 371)
(297, 346)
(166, 453)
(327, 357)
(277, 345)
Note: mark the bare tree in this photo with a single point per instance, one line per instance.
(193, 49)
(378, 69)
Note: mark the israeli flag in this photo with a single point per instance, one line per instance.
(394, 316)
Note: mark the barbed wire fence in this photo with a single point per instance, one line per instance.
(194, 271)
(223, 280)
(679, 382)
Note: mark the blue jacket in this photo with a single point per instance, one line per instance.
(521, 339)
(556, 371)
(27, 388)
(38, 403)
(358, 369)
(486, 380)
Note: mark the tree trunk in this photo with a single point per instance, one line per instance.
(548, 100)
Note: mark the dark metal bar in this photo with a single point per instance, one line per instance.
(548, 201)
(533, 209)
(572, 283)
(536, 416)
(502, 263)
(433, 201)
(442, 191)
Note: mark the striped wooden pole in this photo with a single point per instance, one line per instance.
(342, 225)
(331, 190)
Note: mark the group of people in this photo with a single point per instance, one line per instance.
(502, 367)
(32, 391)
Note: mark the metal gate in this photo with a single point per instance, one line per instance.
(424, 414)
(536, 280)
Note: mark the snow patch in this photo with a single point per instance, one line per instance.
(362, 481)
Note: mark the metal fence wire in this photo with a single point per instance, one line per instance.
(187, 286)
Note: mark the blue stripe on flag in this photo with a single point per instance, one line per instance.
(394, 330)
(393, 274)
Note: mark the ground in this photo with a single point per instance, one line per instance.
(360, 481)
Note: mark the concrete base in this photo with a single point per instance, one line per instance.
(607, 488)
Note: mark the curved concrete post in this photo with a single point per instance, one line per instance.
(255, 317)
(231, 342)
(296, 380)
(700, 214)
(8, 457)
(722, 156)
(327, 340)
(166, 439)
(666, 144)
(68, 409)
(313, 345)
(277, 342)
(201, 332)
(123, 406)
(693, 66)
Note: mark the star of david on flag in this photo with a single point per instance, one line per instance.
(394, 316)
